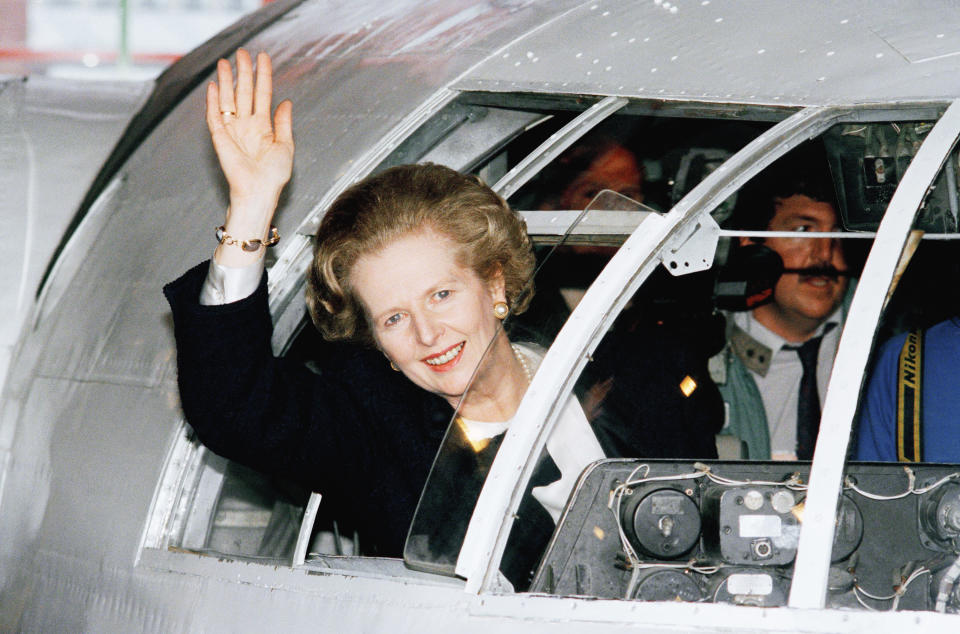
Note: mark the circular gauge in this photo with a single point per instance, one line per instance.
(664, 523)
(940, 514)
(667, 585)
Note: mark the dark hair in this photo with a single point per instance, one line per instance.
(402, 200)
(574, 161)
(801, 172)
(547, 187)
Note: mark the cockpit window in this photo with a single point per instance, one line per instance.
(471, 443)
(700, 530)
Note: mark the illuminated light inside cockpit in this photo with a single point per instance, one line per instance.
(477, 440)
(688, 385)
(797, 511)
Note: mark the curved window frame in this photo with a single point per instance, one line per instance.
(628, 269)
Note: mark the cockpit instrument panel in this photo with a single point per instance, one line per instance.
(728, 532)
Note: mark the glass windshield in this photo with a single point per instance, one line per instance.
(471, 443)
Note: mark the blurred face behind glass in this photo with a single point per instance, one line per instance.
(429, 314)
(615, 168)
(802, 302)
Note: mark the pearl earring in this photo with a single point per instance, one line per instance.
(500, 310)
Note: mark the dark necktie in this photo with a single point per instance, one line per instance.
(808, 403)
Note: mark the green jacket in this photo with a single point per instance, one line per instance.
(745, 416)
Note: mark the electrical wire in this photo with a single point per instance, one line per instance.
(898, 591)
(911, 486)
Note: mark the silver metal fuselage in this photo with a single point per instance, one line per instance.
(93, 446)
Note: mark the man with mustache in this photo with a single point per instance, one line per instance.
(772, 384)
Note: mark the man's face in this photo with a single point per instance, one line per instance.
(801, 302)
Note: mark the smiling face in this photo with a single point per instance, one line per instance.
(431, 316)
(802, 302)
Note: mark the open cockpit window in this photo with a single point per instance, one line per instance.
(224, 508)
(485, 414)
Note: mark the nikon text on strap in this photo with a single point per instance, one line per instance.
(909, 398)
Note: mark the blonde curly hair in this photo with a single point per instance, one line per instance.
(401, 200)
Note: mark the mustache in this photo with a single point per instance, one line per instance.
(819, 271)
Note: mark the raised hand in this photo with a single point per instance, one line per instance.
(255, 152)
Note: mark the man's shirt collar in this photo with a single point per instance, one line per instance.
(755, 344)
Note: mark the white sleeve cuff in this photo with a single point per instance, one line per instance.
(226, 284)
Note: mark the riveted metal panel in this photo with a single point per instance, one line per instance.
(743, 51)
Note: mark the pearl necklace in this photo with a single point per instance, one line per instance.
(522, 359)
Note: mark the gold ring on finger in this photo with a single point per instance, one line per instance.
(228, 113)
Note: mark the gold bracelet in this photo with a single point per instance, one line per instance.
(247, 245)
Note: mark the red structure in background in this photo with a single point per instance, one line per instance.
(18, 58)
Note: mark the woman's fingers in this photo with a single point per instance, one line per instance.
(214, 118)
(244, 83)
(225, 81)
(264, 90)
(255, 152)
(283, 123)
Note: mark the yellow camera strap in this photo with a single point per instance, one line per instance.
(909, 397)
